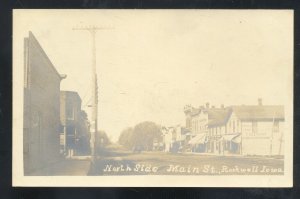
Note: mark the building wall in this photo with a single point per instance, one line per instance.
(167, 140)
(199, 123)
(41, 108)
(238, 136)
(188, 122)
(172, 135)
(69, 115)
(233, 125)
(214, 134)
(267, 139)
(216, 130)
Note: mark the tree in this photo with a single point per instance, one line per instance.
(125, 138)
(102, 141)
(83, 134)
(142, 136)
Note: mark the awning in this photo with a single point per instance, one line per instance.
(237, 139)
(230, 137)
(198, 139)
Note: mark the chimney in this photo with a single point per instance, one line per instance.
(259, 102)
(207, 105)
(222, 105)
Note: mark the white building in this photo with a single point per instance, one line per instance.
(217, 133)
(242, 130)
(206, 124)
(260, 129)
(175, 138)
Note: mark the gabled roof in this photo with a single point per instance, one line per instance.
(217, 116)
(71, 94)
(33, 40)
(259, 112)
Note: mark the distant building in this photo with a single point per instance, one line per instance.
(41, 107)
(167, 138)
(70, 109)
(206, 124)
(244, 130)
(175, 138)
(196, 119)
(259, 129)
(157, 145)
(217, 129)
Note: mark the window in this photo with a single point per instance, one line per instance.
(254, 128)
(276, 127)
(193, 125)
(188, 122)
(233, 127)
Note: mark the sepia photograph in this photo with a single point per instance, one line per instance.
(199, 98)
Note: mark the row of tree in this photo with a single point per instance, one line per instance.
(142, 136)
(82, 140)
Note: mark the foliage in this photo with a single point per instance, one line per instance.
(125, 138)
(142, 136)
(102, 141)
(83, 134)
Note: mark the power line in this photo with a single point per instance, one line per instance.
(94, 87)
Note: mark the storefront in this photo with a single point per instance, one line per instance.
(232, 144)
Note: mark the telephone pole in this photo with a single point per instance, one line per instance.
(94, 112)
(271, 137)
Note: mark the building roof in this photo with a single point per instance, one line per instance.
(71, 94)
(259, 112)
(217, 116)
(220, 116)
(31, 38)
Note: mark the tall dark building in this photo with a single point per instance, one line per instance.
(41, 107)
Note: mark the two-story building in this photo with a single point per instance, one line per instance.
(206, 124)
(259, 129)
(41, 107)
(70, 110)
(217, 129)
(242, 130)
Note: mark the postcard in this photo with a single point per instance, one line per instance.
(152, 98)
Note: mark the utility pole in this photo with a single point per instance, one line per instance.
(94, 112)
(280, 143)
(271, 137)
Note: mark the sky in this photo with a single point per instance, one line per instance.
(153, 62)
